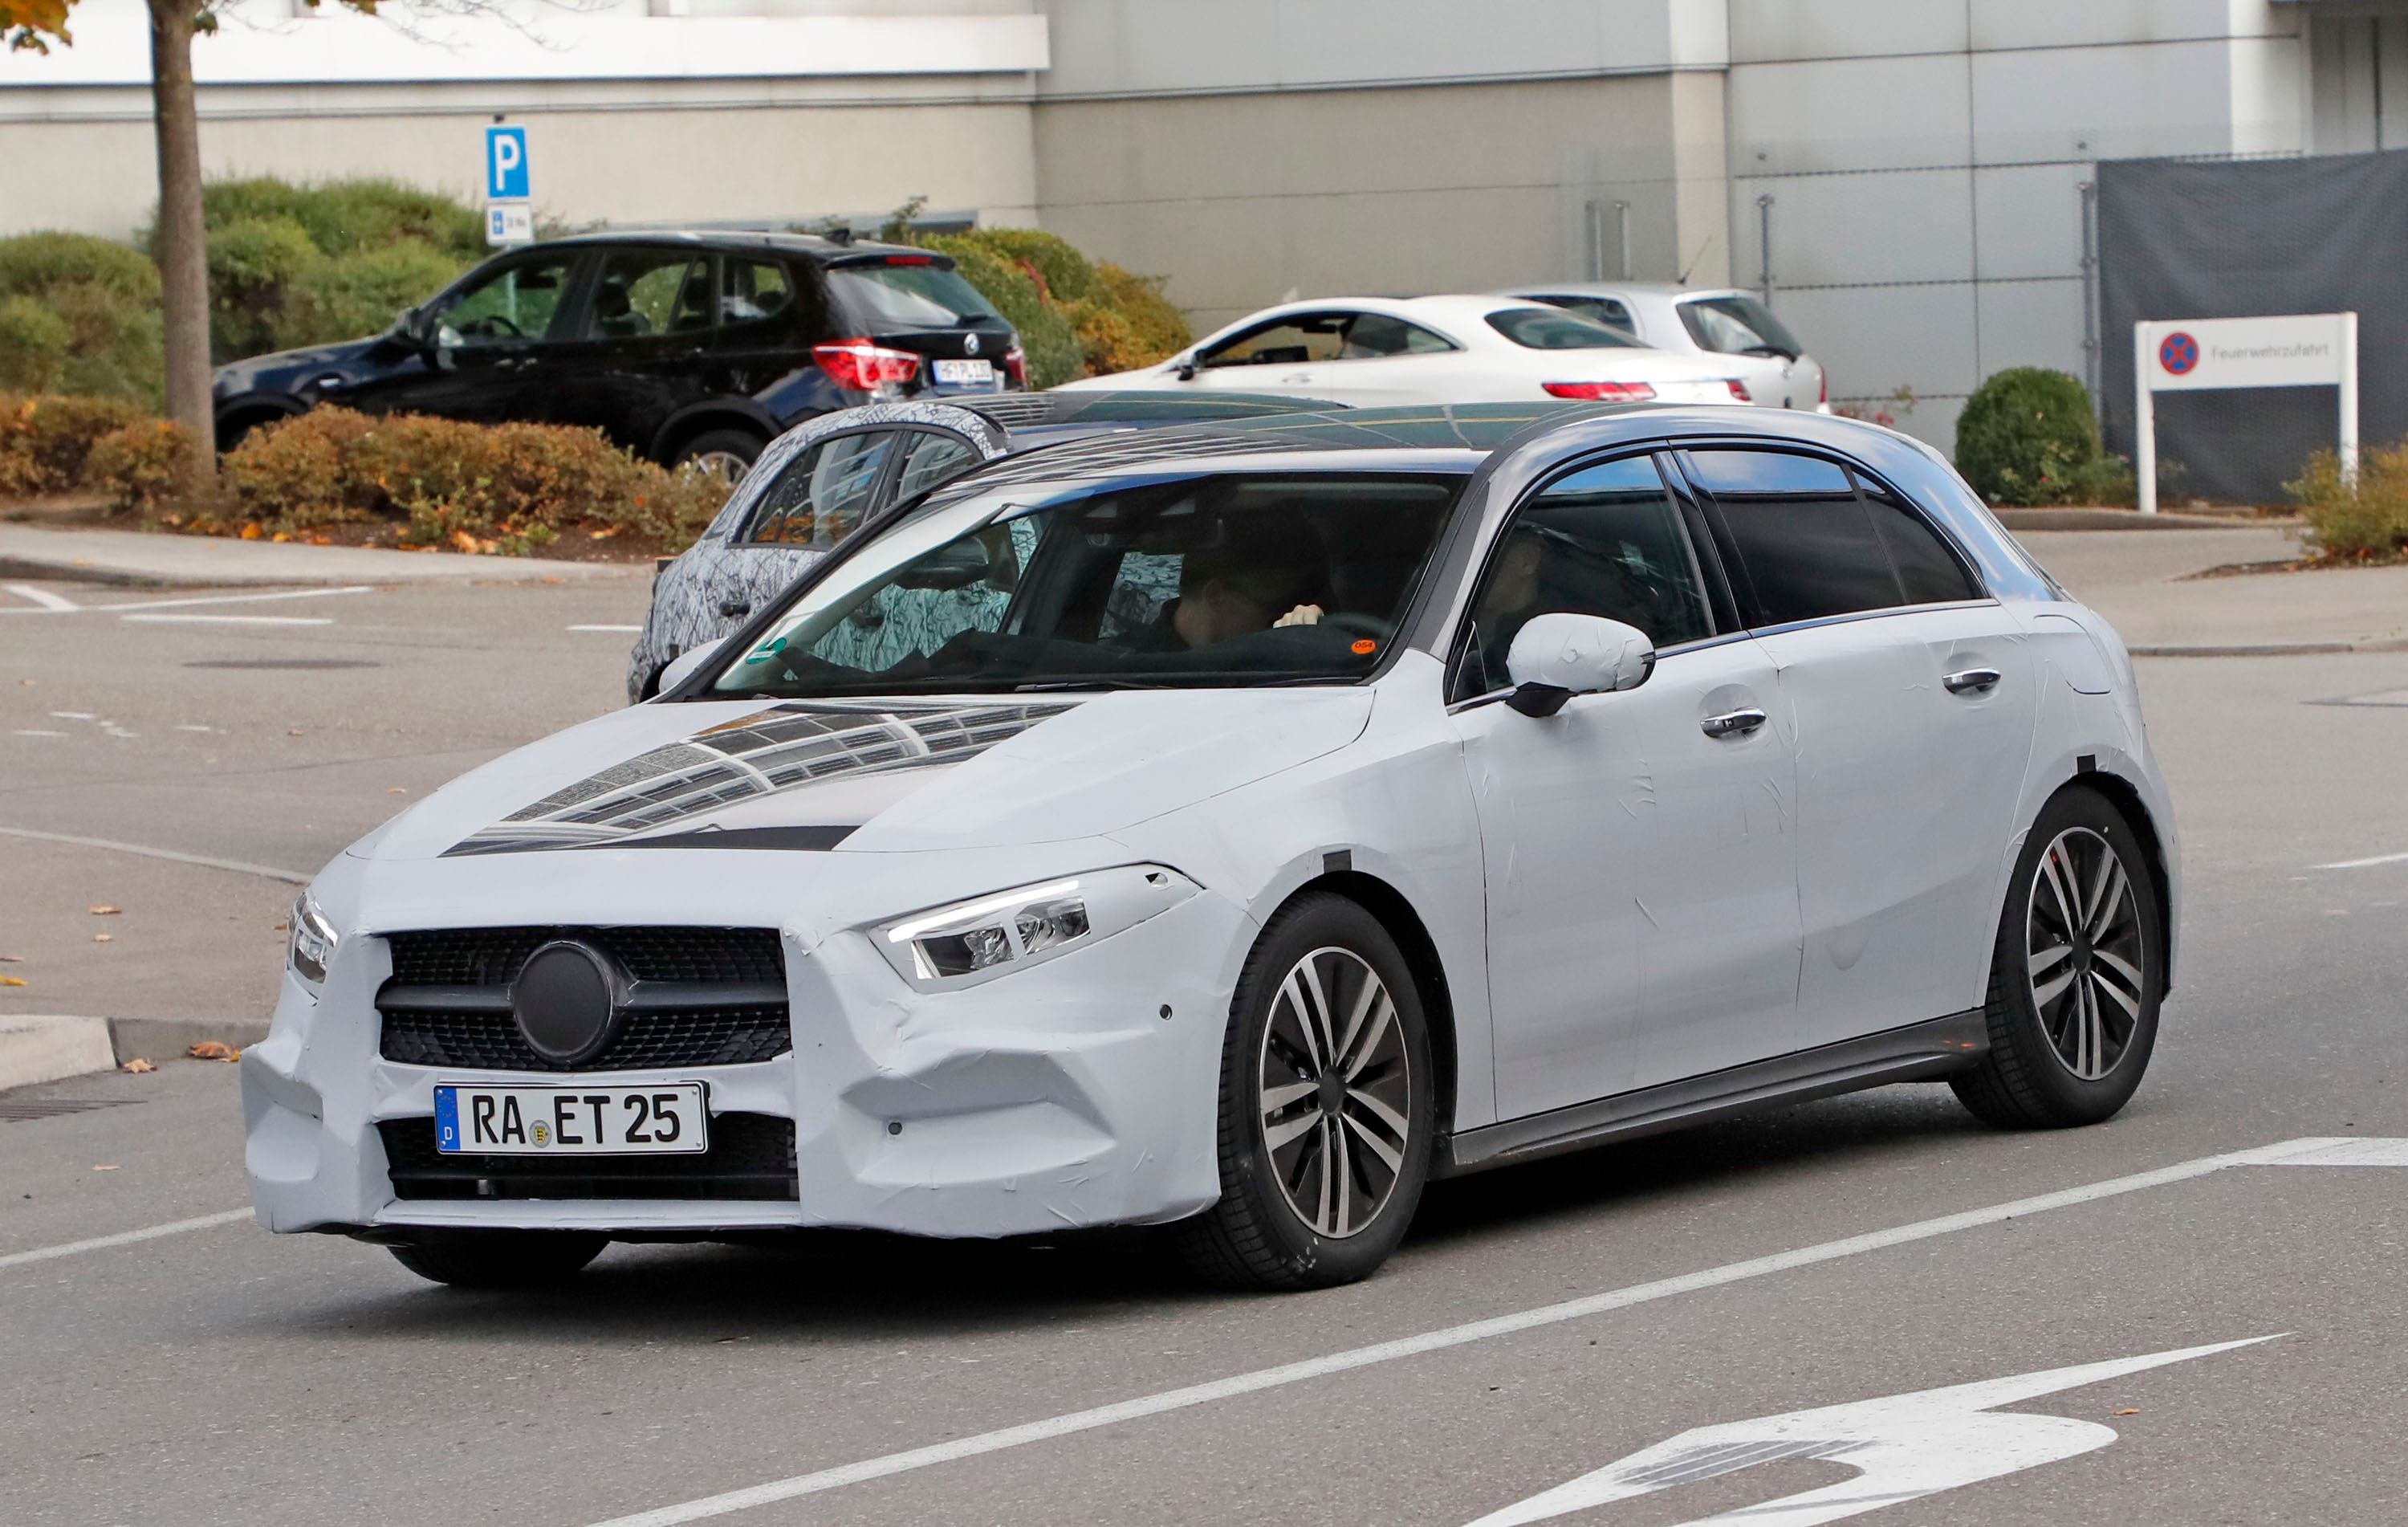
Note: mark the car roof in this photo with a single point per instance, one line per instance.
(1670, 290)
(750, 241)
(1458, 310)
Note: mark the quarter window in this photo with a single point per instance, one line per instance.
(822, 494)
(929, 457)
(1806, 539)
(1927, 571)
(1606, 540)
(1606, 310)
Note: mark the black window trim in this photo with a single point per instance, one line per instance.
(883, 496)
(1859, 475)
(1721, 609)
(1349, 314)
(742, 537)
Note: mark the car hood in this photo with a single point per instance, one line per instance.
(278, 371)
(869, 776)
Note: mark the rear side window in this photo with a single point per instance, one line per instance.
(822, 494)
(648, 292)
(1376, 336)
(1606, 310)
(1807, 541)
(1542, 328)
(1928, 570)
(908, 293)
(1738, 325)
(1606, 540)
(754, 290)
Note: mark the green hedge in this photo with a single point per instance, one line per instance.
(2028, 436)
(79, 314)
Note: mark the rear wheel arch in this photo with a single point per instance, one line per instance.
(682, 431)
(237, 419)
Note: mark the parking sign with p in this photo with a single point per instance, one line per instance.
(505, 164)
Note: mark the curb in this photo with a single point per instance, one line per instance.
(46, 1046)
(144, 559)
(167, 1039)
(2129, 519)
(2269, 649)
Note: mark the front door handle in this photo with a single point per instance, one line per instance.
(1972, 681)
(1731, 723)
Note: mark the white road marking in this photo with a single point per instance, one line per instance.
(231, 620)
(237, 598)
(102, 1243)
(42, 597)
(1904, 1447)
(620, 628)
(188, 726)
(2362, 864)
(238, 866)
(33, 733)
(1450, 1336)
(2343, 1151)
(73, 715)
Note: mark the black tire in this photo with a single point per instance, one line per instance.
(500, 1259)
(2029, 1080)
(723, 449)
(1257, 1237)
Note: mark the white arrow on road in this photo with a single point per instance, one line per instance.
(1906, 1446)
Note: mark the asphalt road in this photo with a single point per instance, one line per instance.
(1540, 1323)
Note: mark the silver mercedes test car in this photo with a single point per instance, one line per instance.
(1233, 826)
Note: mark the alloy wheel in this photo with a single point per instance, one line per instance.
(1336, 1092)
(727, 466)
(2084, 954)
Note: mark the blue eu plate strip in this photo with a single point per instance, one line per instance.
(447, 1119)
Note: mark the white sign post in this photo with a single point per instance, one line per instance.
(2295, 350)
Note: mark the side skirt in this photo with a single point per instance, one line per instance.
(1918, 1052)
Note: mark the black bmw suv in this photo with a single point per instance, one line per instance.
(682, 346)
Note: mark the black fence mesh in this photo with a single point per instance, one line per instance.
(2192, 238)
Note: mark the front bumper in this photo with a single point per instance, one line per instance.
(1049, 1097)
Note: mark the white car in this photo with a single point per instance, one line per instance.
(1380, 351)
(1722, 326)
(1233, 826)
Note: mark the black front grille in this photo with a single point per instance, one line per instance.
(473, 968)
(752, 1157)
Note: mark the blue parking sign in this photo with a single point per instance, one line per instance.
(505, 164)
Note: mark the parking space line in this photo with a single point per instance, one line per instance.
(237, 598)
(290, 877)
(231, 620)
(1460, 1335)
(42, 597)
(623, 630)
(102, 1243)
(2362, 864)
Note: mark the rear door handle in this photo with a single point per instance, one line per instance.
(734, 609)
(1972, 681)
(1731, 723)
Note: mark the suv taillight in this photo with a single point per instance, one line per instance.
(1602, 391)
(1015, 365)
(1739, 391)
(863, 366)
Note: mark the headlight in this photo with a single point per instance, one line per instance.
(313, 940)
(1008, 929)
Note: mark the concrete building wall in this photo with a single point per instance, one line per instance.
(1242, 198)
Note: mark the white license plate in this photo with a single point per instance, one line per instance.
(666, 1119)
(965, 373)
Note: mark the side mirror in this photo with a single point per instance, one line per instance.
(686, 663)
(1557, 657)
(1187, 371)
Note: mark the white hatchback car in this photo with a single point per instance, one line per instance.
(1723, 325)
(1386, 351)
(1231, 828)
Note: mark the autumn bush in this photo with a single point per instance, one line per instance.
(506, 488)
(138, 464)
(46, 440)
(2365, 520)
(1075, 317)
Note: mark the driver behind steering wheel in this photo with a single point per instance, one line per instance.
(1267, 569)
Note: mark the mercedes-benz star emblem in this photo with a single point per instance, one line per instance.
(564, 1000)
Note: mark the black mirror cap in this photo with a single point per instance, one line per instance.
(1186, 371)
(1537, 699)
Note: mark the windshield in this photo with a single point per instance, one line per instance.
(1738, 325)
(1546, 328)
(1227, 579)
(910, 293)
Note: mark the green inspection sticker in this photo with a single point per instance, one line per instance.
(766, 651)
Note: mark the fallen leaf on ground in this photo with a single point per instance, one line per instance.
(12, 959)
(396, 790)
(137, 1066)
(292, 731)
(2128, 1410)
(110, 1167)
(250, 531)
(540, 581)
(12, 980)
(211, 1050)
(104, 910)
(603, 534)
(104, 938)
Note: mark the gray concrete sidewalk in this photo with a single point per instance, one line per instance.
(2142, 581)
(170, 561)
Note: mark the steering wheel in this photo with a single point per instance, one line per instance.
(490, 326)
(1356, 623)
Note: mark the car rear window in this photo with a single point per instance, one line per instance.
(1548, 328)
(1738, 325)
(909, 296)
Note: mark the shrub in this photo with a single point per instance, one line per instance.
(340, 217)
(506, 489)
(138, 465)
(1161, 329)
(33, 263)
(2357, 521)
(359, 294)
(254, 264)
(45, 438)
(1107, 341)
(1045, 335)
(33, 344)
(106, 294)
(2024, 434)
(1063, 273)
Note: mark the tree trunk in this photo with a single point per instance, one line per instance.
(183, 251)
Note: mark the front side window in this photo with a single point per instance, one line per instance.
(1216, 579)
(512, 306)
(1543, 328)
(1296, 340)
(1738, 325)
(1606, 540)
(1807, 541)
(822, 494)
(648, 292)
